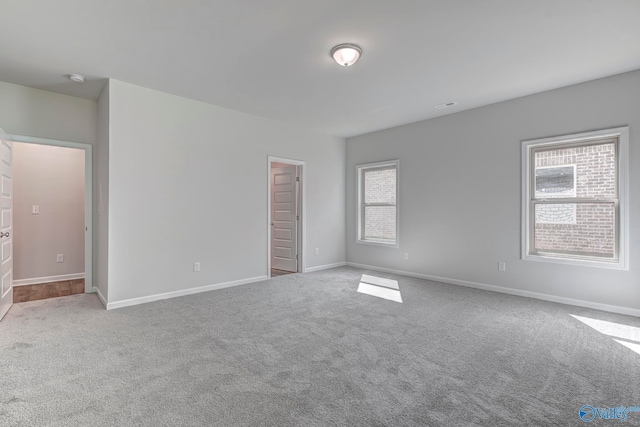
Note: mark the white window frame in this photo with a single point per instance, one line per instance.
(360, 169)
(620, 261)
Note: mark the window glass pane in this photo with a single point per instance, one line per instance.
(380, 223)
(595, 171)
(555, 181)
(592, 232)
(380, 186)
(556, 214)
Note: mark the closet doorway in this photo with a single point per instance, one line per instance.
(52, 218)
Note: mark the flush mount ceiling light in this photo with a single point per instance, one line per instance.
(77, 78)
(346, 54)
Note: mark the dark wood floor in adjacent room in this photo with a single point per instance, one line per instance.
(47, 290)
(275, 272)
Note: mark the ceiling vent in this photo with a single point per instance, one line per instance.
(445, 105)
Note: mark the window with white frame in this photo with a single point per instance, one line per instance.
(378, 203)
(574, 198)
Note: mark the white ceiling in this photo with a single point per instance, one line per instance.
(271, 57)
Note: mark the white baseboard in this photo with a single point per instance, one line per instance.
(324, 267)
(48, 279)
(101, 297)
(517, 292)
(174, 294)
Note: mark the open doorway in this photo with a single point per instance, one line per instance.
(286, 216)
(52, 207)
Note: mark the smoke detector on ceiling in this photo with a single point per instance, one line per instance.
(445, 105)
(76, 78)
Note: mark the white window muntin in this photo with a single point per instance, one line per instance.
(361, 169)
(529, 147)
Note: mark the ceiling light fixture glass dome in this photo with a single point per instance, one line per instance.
(346, 54)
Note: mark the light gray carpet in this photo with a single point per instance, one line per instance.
(307, 350)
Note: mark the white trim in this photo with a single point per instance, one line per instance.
(359, 213)
(175, 294)
(101, 297)
(622, 133)
(47, 141)
(88, 196)
(48, 279)
(325, 267)
(303, 218)
(499, 289)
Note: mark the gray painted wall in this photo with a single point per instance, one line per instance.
(38, 113)
(101, 198)
(34, 112)
(53, 179)
(188, 182)
(460, 198)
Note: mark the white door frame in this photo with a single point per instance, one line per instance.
(301, 224)
(88, 197)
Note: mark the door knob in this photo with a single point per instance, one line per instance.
(3, 234)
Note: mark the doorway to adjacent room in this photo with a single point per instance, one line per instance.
(52, 208)
(285, 228)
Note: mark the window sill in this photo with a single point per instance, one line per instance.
(611, 265)
(378, 243)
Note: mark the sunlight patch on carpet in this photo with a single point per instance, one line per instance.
(380, 287)
(630, 345)
(380, 281)
(618, 330)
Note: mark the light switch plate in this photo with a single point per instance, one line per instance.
(35, 210)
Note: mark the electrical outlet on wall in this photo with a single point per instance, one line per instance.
(317, 251)
(502, 266)
(406, 255)
(196, 266)
(60, 258)
(35, 210)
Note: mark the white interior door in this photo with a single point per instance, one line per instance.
(6, 226)
(284, 219)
